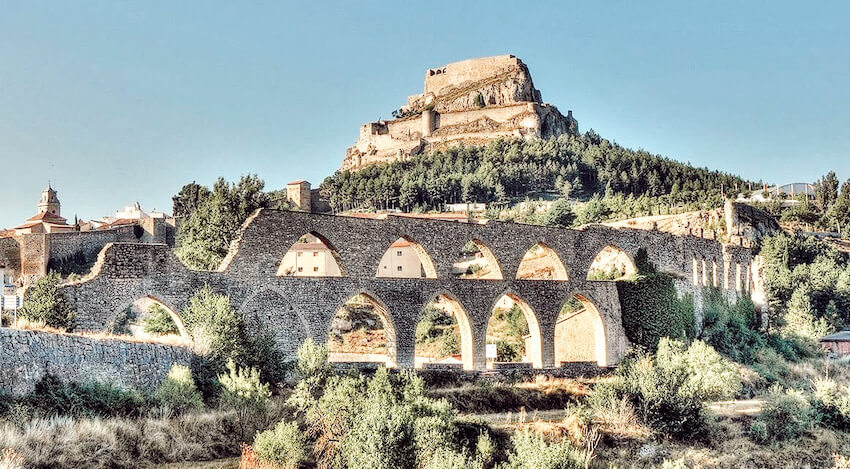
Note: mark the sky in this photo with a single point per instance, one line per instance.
(114, 102)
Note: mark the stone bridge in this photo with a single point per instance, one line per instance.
(296, 308)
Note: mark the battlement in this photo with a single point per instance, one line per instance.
(470, 70)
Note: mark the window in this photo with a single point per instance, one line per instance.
(398, 268)
(398, 253)
(299, 253)
(301, 269)
(315, 253)
(315, 269)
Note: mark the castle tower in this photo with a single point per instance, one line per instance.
(49, 202)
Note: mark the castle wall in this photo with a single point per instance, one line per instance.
(468, 70)
(299, 307)
(10, 256)
(29, 355)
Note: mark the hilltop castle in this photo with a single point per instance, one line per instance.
(468, 102)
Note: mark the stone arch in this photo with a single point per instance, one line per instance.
(172, 312)
(534, 341)
(493, 270)
(268, 307)
(573, 343)
(611, 263)
(318, 255)
(544, 264)
(380, 310)
(467, 348)
(405, 247)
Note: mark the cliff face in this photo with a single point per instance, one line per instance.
(468, 102)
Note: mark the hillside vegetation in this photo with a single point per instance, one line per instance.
(571, 166)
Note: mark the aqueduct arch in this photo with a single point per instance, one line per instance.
(297, 307)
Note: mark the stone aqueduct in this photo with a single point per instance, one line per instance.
(296, 308)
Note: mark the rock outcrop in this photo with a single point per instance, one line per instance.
(468, 102)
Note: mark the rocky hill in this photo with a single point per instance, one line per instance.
(470, 102)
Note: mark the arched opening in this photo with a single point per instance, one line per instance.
(580, 333)
(541, 262)
(513, 334)
(477, 262)
(311, 256)
(406, 258)
(362, 332)
(611, 263)
(444, 335)
(147, 318)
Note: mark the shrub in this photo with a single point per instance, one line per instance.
(732, 329)
(284, 445)
(832, 403)
(666, 391)
(674, 464)
(178, 392)
(44, 303)
(531, 451)
(709, 375)
(52, 396)
(785, 415)
(242, 391)
(159, 321)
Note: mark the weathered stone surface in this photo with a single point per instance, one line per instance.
(299, 307)
(468, 102)
(28, 355)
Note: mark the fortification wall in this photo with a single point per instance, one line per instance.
(458, 73)
(10, 255)
(299, 307)
(29, 355)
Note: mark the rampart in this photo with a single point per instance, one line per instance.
(296, 308)
(29, 355)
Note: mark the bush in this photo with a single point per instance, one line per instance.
(284, 445)
(242, 391)
(832, 403)
(52, 396)
(785, 415)
(667, 390)
(159, 321)
(732, 329)
(178, 392)
(531, 451)
(45, 304)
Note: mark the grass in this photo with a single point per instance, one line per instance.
(25, 325)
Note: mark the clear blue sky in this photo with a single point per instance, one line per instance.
(123, 101)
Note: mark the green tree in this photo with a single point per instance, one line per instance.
(204, 238)
(560, 214)
(45, 303)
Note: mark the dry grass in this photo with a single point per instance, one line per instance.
(132, 443)
(26, 325)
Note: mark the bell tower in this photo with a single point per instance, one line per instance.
(49, 202)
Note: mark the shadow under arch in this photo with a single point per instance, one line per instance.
(381, 310)
(172, 312)
(464, 326)
(312, 255)
(396, 258)
(572, 340)
(611, 263)
(534, 344)
(541, 262)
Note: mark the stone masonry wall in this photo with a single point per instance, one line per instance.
(28, 355)
(299, 307)
(10, 255)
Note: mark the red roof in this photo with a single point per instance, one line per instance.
(119, 222)
(302, 181)
(48, 217)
